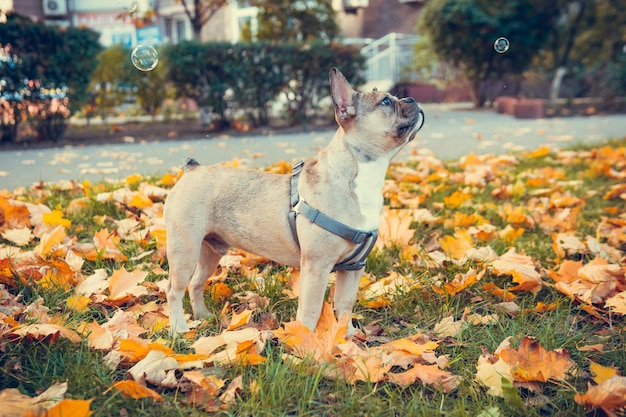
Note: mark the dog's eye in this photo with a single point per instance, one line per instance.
(386, 101)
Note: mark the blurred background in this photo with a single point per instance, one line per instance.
(94, 65)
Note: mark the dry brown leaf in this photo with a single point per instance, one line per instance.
(609, 396)
(153, 368)
(46, 331)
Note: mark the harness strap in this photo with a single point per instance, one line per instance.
(294, 198)
(365, 239)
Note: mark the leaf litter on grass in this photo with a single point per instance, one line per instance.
(494, 232)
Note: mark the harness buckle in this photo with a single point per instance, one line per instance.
(360, 236)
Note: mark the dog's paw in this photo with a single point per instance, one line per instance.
(178, 327)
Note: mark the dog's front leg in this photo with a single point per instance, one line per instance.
(313, 284)
(346, 288)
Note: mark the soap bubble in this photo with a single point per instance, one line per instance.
(144, 57)
(128, 6)
(501, 45)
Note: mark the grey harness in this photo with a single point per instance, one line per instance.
(366, 240)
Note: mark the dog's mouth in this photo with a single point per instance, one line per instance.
(413, 126)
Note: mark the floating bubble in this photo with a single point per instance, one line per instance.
(144, 57)
(501, 45)
(128, 6)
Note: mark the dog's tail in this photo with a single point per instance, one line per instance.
(190, 163)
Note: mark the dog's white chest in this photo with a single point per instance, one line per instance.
(368, 186)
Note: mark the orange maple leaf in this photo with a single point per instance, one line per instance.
(521, 268)
(16, 217)
(319, 345)
(125, 286)
(427, 374)
(531, 362)
(133, 389)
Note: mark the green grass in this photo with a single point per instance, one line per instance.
(283, 388)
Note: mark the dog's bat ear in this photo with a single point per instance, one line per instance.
(342, 94)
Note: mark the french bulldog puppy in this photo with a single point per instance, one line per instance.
(213, 208)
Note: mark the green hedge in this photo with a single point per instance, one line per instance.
(252, 76)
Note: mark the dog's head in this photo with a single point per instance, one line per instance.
(375, 123)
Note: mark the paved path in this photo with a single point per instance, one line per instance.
(450, 132)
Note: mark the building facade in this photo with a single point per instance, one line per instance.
(165, 21)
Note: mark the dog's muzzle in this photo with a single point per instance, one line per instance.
(415, 112)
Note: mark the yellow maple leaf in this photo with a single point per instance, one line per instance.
(240, 319)
(140, 201)
(539, 152)
(49, 241)
(55, 218)
(78, 302)
(601, 373)
(455, 247)
(133, 179)
(456, 199)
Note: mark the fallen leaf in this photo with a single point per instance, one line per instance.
(521, 268)
(427, 374)
(240, 319)
(68, 407)
(124, 285)
(153, 368)
(617, 303)
(531, 362)
(47, 331)
(134, 389)
(609, 396)
(601, 373)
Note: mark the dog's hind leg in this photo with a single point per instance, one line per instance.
(346, 288)
(183, 253)
(206, 264)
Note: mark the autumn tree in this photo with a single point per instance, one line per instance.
(462, 33)
(589, 39)
(286, 21)
(200, 12)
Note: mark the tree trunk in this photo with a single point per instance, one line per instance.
(205, 116)
(556, 84)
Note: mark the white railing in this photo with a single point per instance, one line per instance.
(388, 57)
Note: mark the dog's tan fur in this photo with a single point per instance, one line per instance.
(213, 208)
